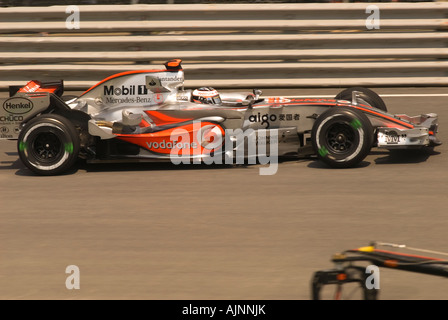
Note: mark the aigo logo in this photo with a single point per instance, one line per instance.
(264, 119)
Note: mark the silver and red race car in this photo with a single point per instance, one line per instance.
(147, 115)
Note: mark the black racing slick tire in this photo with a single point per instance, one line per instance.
(48, 144)
(366, 96)
(342, 137)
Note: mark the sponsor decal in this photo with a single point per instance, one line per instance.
(171, 145)
(131, 90)
(143, 99)
(313, 100)
(391, 137)
(183, 97)
(113, 100)
(127, 94)
(267, 118)
(277, 100)
(30, 87)
(17, 106)
(159, 98)
(176, 79)
(154, 84)
(156, 81)
(11, 118)
(4, 133)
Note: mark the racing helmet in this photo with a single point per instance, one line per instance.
(206, 95)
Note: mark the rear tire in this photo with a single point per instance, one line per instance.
(366, 96)
(48, 144)
(342, 137)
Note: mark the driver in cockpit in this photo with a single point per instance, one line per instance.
(206, 95)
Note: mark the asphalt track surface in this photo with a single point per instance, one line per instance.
(160, 231)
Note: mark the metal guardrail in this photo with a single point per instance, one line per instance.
(238, 45)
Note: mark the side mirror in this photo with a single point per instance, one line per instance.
(257, 93)
(355, 96)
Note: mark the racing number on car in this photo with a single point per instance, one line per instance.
(394, 138)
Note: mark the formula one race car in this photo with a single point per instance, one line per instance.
(149, 116)
(355, 275)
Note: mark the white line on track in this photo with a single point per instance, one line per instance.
(381, 95)
(415, 95)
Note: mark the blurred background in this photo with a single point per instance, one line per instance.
(63, 2)
(164, 232)
(228, 44)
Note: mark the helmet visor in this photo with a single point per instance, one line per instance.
(214, 100)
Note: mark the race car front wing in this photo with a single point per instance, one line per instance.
(422, 134)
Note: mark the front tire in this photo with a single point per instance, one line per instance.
(342, 137)
(48, 144)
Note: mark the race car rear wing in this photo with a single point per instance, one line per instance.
(56, 87)
(18, 109)
(26, 101)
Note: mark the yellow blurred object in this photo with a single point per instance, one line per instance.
(367, 249)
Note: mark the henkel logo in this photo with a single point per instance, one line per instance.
(17, 105)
